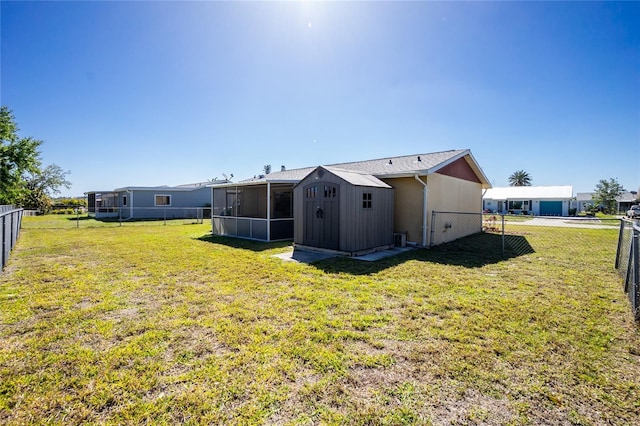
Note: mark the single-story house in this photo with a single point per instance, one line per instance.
(626, 200)
(533, 200)
(623, 202)
(151, 202)
(271, 208)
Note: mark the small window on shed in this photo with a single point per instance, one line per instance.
(163, 200)
(366, 200)
(311, 192)
(329, 191)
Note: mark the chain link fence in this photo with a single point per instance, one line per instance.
(517, 233)
(505, 236)
(628, 262)
(10, 221)
(126, 216)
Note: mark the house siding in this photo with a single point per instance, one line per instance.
(183, 203)
(365, 228)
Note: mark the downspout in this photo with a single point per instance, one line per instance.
(424, 211)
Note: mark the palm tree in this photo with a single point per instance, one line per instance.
(520, 178)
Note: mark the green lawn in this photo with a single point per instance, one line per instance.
(166, 324)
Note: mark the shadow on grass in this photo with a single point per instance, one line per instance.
(241, 243)
(474, 251)
(74, 218)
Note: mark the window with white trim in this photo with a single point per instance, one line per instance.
(162, 200)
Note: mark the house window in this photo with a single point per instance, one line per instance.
(163, 200)
(519, 204)
(366, 200)
(124, 201)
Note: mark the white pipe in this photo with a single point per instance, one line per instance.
(424, 211)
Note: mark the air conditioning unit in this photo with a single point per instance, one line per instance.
(400, 240)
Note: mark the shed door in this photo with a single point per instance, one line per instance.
(550, 208)
(321, 227)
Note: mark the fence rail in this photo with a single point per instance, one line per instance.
(10, 221)
(628, 262)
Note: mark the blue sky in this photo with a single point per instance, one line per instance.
(153, 93)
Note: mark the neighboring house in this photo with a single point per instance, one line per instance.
(534, 200)
(626, 200)
(151, 202)
(623, 202)
(266, 208)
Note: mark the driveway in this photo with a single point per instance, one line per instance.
(568, 222)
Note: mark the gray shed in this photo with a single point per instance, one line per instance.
(343, 210)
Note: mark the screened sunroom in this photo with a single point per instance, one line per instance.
(258, 209)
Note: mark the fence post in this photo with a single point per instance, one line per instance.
(502, 218)
(619, 244)
(636, 275)
(4, 241)
(165, 216)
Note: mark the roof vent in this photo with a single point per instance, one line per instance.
(390, 162)
(419, 159)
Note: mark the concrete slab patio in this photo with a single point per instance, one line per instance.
(304, 256)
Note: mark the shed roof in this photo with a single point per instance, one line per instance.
(355, 178)
(529, 192)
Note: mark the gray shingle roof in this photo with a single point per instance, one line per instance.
(406, 165)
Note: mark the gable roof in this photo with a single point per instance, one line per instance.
(627, 197)
(584, 196)
(389, 167)
(529, 192)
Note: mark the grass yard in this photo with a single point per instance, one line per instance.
(166, 324)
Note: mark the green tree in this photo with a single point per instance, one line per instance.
(17, 157)
(606, 192)
(41, 185)
(520, 178)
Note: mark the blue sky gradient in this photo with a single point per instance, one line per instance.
(153, 93)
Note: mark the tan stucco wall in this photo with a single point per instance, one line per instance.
(445, 193)
(449, 194)
(407, 206)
